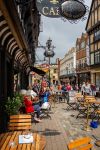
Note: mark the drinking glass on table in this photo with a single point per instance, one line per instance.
(12, 144)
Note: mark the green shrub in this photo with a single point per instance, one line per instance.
(13, 105)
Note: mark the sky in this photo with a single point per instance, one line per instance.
(63, 35)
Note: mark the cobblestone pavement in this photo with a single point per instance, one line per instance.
(73, 127)
(64, 127)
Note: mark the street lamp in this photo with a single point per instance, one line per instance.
(49, 53)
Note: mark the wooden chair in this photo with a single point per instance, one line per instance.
(78, 94)
(52, 99)
(80, 144)
(90, 98)
(20, 122)
(79, 97)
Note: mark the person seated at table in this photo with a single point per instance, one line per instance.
(44, 95)
(31, 108)
(30, 92)
(41, 95)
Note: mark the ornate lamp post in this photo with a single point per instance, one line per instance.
(49, 52)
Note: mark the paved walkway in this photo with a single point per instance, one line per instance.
(63, 127)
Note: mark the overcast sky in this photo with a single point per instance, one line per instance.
(63, 35)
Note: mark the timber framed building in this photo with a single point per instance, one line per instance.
(93, 30)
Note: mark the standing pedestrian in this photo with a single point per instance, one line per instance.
(83, 88)
(87, 89)
(93, 89)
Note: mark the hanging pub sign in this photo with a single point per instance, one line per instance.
(49, 53)
(72, 9)
(69, 9)
(49, 8)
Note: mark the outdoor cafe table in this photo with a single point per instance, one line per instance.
(8, 137)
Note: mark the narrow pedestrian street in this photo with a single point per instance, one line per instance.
(63, 127)
(49, 74)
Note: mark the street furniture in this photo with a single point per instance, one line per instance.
(52, 99)
(10, 140)
(20, 122)
(83, 143)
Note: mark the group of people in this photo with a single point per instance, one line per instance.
(86, 88)
(65, 87)
(35, 98)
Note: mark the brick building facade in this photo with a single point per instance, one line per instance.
(82, 59)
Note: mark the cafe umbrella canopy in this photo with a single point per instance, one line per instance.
(72, 10)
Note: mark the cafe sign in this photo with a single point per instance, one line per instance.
(69, 9)
(49, 8)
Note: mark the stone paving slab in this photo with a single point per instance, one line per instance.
(64, 127)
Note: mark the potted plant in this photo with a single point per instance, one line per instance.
(13, 104)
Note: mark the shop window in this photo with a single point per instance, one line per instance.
(83, 44)
(55, 71)
(92, 47)
(92, 59)
(97, 35)
(97, 57)
(99, 45)
(53, 77)
(96, 46)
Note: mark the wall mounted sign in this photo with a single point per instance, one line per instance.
(73, 9)
(49, 8)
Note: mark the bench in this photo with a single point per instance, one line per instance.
(83, 143)
(20, 122)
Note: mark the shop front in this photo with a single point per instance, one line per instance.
(83, 77)
(95, 77)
